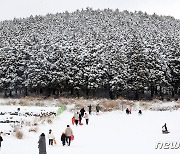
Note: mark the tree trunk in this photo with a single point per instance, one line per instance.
(26, 91)
(72, 90)
(137, 95)
(152, 91)
(161, 93)
(87, 92)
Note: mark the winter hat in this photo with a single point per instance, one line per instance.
(67, 125)
(42, 134)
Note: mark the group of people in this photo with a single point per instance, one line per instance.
(128, 111)
(77, 118)
(164, 127)
(97, 108)
(66, 137)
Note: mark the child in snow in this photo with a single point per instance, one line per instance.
(73, 120)
(86, 118)
(63, 139)
(76, 116)
(51, 137)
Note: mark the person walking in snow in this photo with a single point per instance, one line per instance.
(97, 108)
(89, 107)
(80, 119)
(140, 112)
(42, 144)
(127, 111)
(68, 133)
(82, 111)
(76, 117)
(1, 139)
(51, 137)
(86, 118)
(63, 139)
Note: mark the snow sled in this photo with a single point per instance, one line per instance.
(165, 132)
(54, 141)
(72, 137)
(81, 124)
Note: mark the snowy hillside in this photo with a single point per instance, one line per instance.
(109, 132)
(91, 53)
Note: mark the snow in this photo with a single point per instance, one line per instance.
(109, 132)
(165, 106)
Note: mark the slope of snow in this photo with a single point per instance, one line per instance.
(110, 132)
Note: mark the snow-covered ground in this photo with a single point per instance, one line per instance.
(110, 132)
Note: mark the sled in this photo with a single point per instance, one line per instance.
(72, 137)
(165, 132)
(73, 120)
(81, 124)
(61, 110)
(55, 141)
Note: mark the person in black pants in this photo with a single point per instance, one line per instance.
(1, 139)
(86, 118)
(76, 116)
(90, 109)
(80, 119)
(82, 111)
(51, 137)
(69, 133)
(97, 108)
(63, 139)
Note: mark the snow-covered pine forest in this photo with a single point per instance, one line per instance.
(91, 53)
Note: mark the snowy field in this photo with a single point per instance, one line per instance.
(110, 132)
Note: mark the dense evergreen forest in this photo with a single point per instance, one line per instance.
(91, 53)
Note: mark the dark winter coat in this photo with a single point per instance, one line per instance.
(89, 109)
(42, 144)
(97, 108)
(63, 137)
(127, 111)
(164, 127)
(82, 112)
(1, 139)
(80, 117)
(140, 112)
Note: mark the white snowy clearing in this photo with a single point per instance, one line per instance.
(107, 133)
